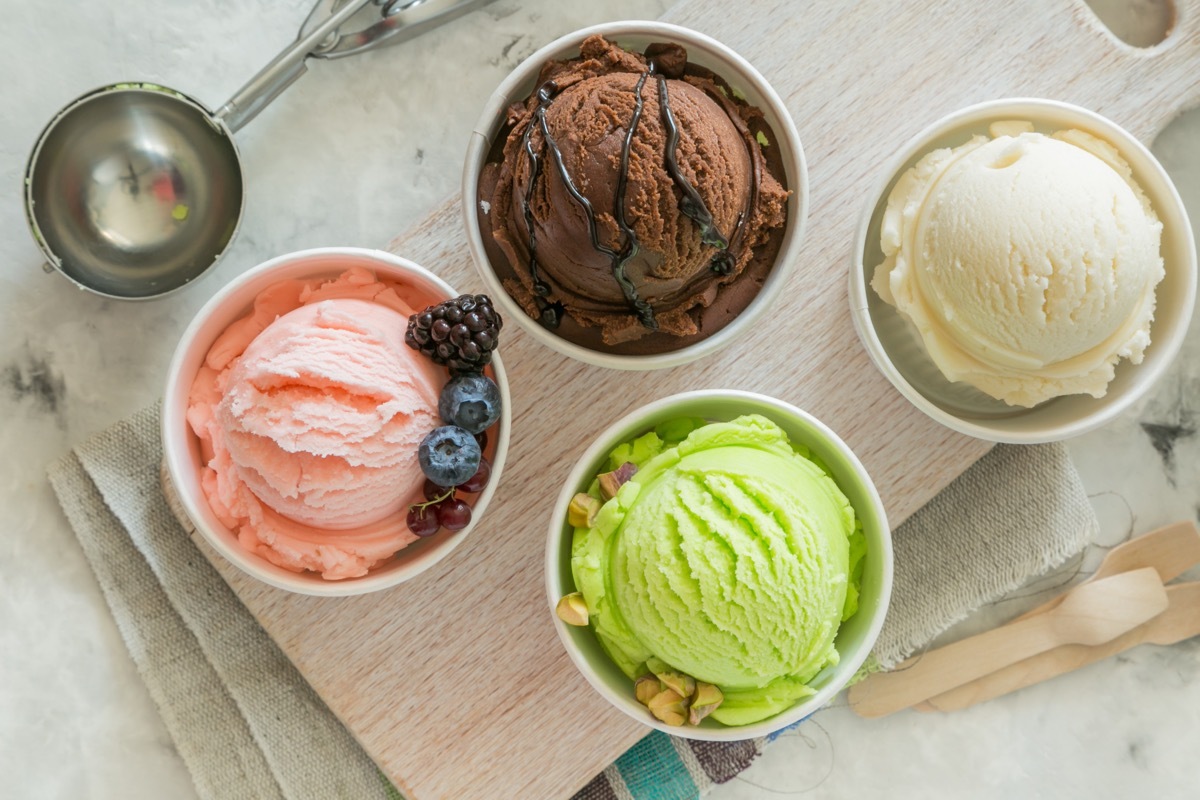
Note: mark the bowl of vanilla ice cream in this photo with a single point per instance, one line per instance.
(1024, 272)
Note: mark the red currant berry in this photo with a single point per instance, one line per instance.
(423, 521)
(432, 491)
(479, 480)
(454, 514)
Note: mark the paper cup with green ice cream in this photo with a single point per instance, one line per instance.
(718, 556)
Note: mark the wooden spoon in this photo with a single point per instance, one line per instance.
(1180, 621)
(1172, 550)
(1091, 613)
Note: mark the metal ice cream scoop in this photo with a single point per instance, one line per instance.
(135, 189)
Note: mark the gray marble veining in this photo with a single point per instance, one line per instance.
(352, 154)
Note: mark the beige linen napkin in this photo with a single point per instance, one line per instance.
(247, 724)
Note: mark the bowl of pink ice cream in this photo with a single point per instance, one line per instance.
(292, 418)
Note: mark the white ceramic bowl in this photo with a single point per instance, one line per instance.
(182, 451)
(898, 352)
(706, 52)
(854, 639)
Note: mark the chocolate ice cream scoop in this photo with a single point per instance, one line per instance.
(631, 198)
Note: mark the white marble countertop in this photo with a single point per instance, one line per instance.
(354, 153)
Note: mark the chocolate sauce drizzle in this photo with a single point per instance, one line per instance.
(723, 261)
(645, 312)
(549, 314)
(691, 205)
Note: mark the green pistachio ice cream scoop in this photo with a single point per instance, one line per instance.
(730, 556)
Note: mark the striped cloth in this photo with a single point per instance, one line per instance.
(662, 767)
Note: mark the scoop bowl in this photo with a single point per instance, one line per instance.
(182, 451)
(855, 637)
(702, 51)
(896, 349)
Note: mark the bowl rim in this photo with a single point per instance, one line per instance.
(557, 550)
(178, 464)
(786, 262)
(1017, 108)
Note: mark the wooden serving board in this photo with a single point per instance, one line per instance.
(456, 682)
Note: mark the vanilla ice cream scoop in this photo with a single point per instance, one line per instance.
(1026, 262)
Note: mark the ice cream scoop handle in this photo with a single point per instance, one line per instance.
(401, 20)
(283, 70)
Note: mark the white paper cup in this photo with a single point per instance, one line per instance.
(182, 450)
(856, 636)
(898, 352)
(707, 53)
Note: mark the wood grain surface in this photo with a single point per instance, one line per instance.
(455, 682)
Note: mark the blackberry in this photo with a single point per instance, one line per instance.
(460, 333)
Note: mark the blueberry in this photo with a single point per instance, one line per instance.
(449, 455)
(471, 402)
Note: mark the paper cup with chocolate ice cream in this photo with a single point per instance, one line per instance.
(635, 195)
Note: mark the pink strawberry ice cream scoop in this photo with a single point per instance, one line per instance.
(309, 412)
